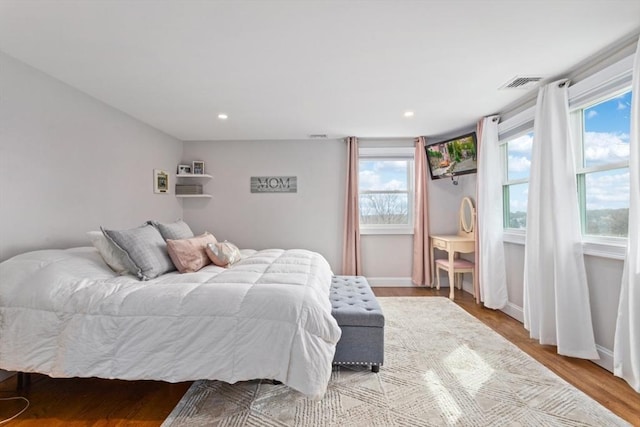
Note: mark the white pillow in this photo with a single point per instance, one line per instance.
(115, 257)
(223, 254)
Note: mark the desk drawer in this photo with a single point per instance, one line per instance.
(439, 244)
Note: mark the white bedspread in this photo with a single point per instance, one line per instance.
(65, 313)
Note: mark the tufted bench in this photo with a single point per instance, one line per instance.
(360, 317)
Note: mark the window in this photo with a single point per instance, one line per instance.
(517, 154)
(603, 165)
(386, 196)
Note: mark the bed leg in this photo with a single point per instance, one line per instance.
(375, 368)
(24, 381)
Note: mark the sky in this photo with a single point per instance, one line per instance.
(383, 175)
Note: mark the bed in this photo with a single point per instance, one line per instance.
(65, 313)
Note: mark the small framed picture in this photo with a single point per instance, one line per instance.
(184, 169)
(160, 181)
(198, 167)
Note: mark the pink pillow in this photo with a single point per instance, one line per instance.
(189, 255)
(223, 254)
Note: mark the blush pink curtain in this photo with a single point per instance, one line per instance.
(421, 274)
(351, 260)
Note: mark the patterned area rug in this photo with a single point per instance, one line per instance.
(442, 367)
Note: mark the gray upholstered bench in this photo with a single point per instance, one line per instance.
(360, 317)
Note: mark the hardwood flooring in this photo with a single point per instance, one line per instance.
(95, 402)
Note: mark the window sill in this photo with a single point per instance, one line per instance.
(386, 230)
(603, 247)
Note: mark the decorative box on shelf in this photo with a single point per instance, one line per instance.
(186, 186)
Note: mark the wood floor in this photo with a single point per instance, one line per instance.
(95, 402)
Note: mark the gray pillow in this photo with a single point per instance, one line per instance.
(146, 249)
(176, 230)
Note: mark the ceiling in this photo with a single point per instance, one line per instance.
(289, 69)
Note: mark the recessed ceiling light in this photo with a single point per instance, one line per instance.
(223, 116)
(408, 113)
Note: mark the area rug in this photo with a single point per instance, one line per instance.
(442, 367)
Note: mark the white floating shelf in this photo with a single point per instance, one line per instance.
(194, 175)
(204, 196)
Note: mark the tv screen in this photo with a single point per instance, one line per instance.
(453, 157)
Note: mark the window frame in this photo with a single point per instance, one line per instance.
(510, 128)
(391, 154)
(576, 113)
(506, 182)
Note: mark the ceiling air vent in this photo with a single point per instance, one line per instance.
(522, 82)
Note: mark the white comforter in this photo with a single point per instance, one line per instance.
(65, 313)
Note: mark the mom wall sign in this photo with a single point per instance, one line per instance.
(274, 184)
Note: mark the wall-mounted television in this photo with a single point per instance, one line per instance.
(453, 157)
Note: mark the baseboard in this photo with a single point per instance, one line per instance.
(390, 282)
(606, 355)
(5, 374)
(606, 358)
(514, 311)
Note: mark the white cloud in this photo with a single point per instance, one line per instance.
(519, 164)
(622, 105)
(372, 181)
(608, 190)
(521, 144)
(591, 114)
(392, 166)
(518, 196)
(394, 184)
(369, 180)
(605, 147)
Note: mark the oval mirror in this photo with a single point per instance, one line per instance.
(466, 215)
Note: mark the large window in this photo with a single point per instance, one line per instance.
(603, 170)
(517, 154)
(386, 181)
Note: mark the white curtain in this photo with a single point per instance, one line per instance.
(626, 349)
(556, 296)
(490, 265)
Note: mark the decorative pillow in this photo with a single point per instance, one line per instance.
(223, 254)
(189, 255)
(175, 230)
(145, 248)
(115, 257)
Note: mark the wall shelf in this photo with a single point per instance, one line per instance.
(193, 176)
(203, 196)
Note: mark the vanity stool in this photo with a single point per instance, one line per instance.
(360, 317)
(460, 266)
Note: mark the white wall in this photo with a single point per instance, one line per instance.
(312, 218)
(69, 163)
(603, 278)
(387, 259)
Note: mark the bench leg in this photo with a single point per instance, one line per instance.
(24, 381)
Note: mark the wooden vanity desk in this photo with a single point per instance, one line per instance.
(462, 243)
